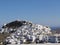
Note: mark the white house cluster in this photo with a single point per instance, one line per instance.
(25, 32)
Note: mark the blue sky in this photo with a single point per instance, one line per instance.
(46, 12)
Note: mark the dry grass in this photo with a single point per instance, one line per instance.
(3, 37)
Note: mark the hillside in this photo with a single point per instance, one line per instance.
(55, 30)
(23, 32)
